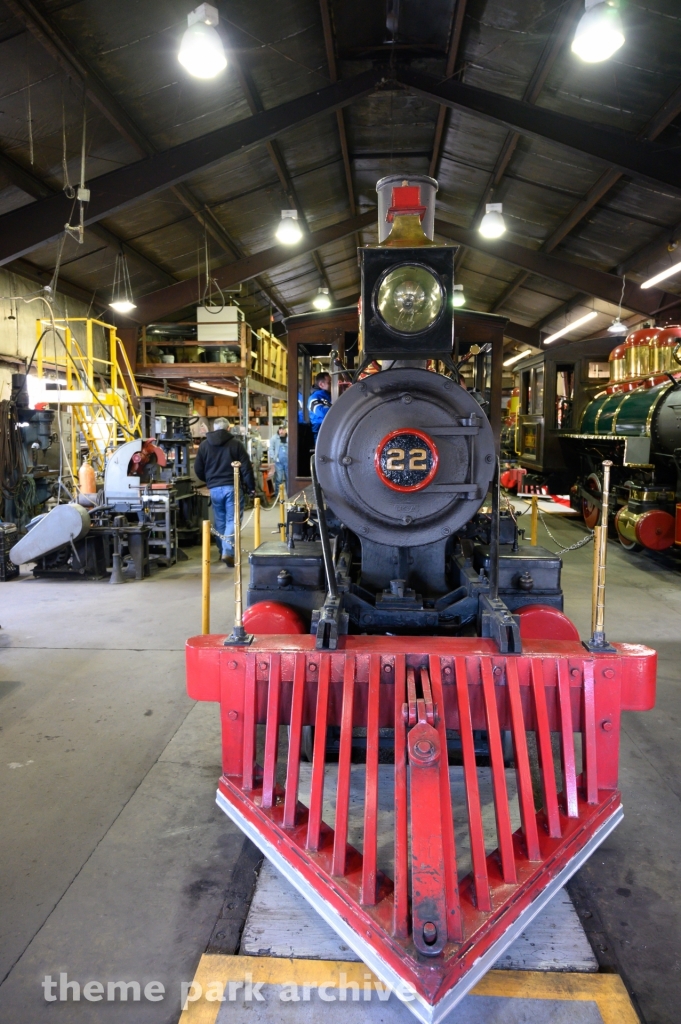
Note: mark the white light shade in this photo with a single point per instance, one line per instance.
(662, 276)
(617, 327)
(288, 231)
(493, 224)
(599, 33)
(570, 327)
(121, 293)
(201, 51)
(458, 297)
(321, 299)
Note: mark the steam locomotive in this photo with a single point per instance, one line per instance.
(395, 535)
(586, 402)
(405, 459)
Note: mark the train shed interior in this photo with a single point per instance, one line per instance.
(401, 282)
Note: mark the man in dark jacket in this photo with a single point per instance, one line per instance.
(213, 465)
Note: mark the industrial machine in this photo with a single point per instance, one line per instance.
(28, 482)
(168, 421)
(131, 519)
(587, 402)
(401, 610)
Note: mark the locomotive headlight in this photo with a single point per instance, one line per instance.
(410, 298)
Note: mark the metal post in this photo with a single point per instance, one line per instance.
(598, 641)
(496, 379)
(329, 567)
(256, 523)
(594, 577)
(282, 512)
(535, 521)
(239, 635)
(205, 577)
(494, 537)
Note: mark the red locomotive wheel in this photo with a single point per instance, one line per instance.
(591, 512)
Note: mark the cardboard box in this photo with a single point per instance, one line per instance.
(212, 411)
(200, 406)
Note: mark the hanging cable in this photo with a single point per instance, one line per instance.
(77, 231)
(207, 290)
(68, 189)
(30, 110)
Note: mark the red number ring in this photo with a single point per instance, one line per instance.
(428, 441)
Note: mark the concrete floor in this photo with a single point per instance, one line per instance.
(116, 864)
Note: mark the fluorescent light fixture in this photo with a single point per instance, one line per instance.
(198, 385)
(571, 327)
(518, 356)
(493, 224)
(321, 299)
(201, 51)
(458, 297)
(663, 275)
(617, 327)
(599, 33)
(288, 231)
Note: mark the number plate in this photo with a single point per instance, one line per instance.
(406, 460)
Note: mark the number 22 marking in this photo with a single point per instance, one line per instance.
(417, 459)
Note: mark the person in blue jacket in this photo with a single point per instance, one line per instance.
(319, 402)
(279, 456)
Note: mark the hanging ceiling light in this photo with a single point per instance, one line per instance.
(121, 295)
(617, 327)
(321, 299)
(599, 33)
(201, 50)
(493, 224)
(458, 297)
(570, 327)
(288, 231)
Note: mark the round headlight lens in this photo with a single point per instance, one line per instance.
(410, 298)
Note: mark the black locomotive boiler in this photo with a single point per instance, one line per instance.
(401, 530)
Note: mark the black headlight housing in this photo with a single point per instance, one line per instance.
(407, 308)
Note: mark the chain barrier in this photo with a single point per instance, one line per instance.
(230, 539)
(561, 550)
(573, 547)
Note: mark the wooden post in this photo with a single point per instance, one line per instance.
(256, 523)
(205, 577)
(535, 521)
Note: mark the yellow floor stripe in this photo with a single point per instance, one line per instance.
(214, 972)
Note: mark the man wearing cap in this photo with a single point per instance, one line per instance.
(213, 465)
